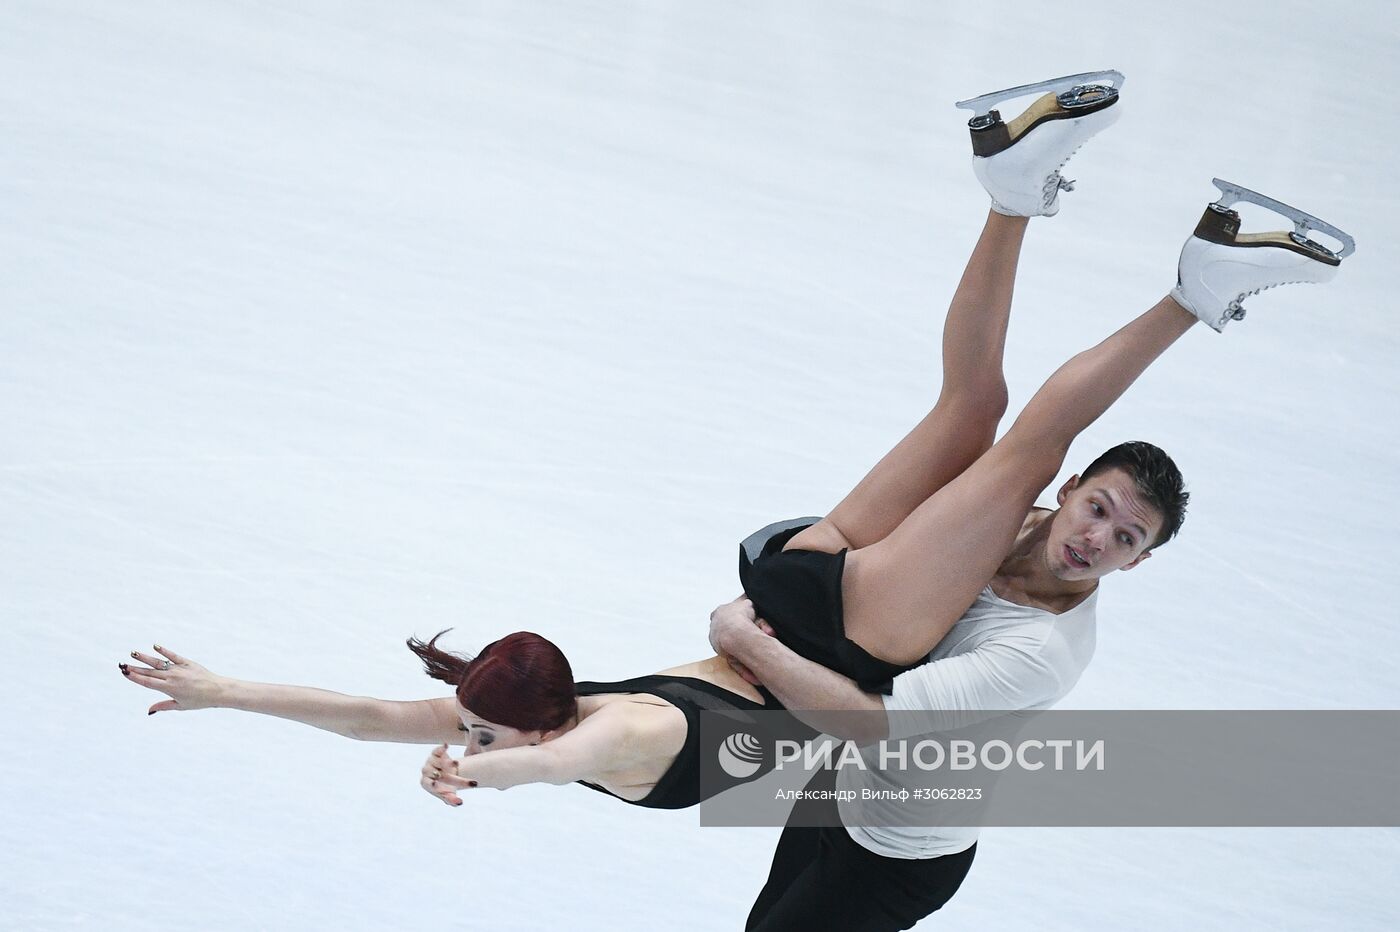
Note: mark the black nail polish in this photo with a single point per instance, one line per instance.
(152, 712)
(126, 671)
(471, 783)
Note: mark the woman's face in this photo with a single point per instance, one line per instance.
(480, 735)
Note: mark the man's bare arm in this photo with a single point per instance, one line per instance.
(820, 697)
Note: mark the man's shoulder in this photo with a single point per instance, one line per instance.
(1063, 642)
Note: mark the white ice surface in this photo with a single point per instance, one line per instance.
(328, 323)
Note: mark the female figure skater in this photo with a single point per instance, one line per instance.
(636, 739)
(871, 588)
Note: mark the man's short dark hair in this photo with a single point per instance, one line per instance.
(1156, 477)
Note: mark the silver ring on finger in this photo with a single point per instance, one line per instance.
(166, 664)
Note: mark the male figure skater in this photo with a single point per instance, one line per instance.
(1029, 633)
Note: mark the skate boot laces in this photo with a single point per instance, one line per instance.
(1054, 184)
(1235, 309)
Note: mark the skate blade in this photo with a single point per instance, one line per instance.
(1303, 222)
(983, 104)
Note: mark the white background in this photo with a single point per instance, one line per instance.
(325, 324)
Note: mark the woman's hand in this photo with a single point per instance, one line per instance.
(188, 685)
(438, 766)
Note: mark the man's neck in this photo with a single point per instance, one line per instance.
(1024, 576)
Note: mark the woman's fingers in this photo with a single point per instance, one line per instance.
(426, 782)
(440, 769)
(439, 761)
(433, 768)
(143, 676)
(169, 705)
(169, 654)
(439, 789)
(157, 664)
(446, 795)
(451, 779)
(439, 776)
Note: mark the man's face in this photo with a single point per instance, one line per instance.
(1103, 525)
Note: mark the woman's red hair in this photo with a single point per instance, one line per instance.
(521, 681)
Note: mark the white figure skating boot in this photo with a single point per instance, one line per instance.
(1220, 266)
(1019, 162)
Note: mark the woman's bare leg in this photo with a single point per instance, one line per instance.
(905, 592)
(963, 422)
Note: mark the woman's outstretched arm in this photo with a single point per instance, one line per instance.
(445, 776)
(191, 686)
(616, 739)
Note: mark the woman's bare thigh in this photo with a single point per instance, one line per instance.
(903, 594)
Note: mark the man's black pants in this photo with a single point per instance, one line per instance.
(822, 879)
